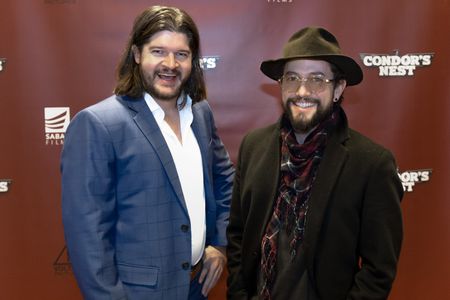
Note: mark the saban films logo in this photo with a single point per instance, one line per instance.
(396, 65)
(4, 185)
(62, 264)
(410, 178)
(56, 121)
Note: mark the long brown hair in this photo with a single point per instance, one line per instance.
(149, 22)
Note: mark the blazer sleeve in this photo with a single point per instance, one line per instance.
(89, 206)
(381, 232)
(222, 176)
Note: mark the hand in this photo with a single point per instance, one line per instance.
(213, 264)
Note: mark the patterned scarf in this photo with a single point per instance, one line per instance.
(299, 164)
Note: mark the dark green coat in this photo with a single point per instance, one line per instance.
(353, 230)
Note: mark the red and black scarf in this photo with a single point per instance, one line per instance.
(299, 164)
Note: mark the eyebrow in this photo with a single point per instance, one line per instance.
(309, 74)
(166, 48)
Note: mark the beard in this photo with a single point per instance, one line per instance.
(157, 93)
(301, 123)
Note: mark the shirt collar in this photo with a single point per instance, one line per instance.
(158, 112)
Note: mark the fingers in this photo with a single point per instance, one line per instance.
(210, 276)
(203, 274)
(213, 264)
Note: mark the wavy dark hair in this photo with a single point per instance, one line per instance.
(152, 20)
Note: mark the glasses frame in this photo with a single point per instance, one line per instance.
(307, 81)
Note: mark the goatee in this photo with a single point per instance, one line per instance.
(150, 87)
(300, 123)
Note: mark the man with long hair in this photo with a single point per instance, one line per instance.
(146, 180)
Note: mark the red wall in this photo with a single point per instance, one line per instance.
(63, 53)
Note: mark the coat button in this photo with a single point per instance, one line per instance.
(185, 265)
(185, 228)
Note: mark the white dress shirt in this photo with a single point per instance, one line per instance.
(188, 162)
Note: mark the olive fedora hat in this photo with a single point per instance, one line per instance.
(314, 43)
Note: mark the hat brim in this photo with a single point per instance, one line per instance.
(352, 71)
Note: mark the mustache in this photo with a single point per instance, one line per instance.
(164, 70)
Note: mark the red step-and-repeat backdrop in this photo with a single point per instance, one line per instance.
(59, 56)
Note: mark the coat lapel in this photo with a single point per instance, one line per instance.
(146, 122)
(268, 164)
(329, 170)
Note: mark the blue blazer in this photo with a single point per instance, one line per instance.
(125, 219)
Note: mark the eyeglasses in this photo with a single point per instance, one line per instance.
(314, 84)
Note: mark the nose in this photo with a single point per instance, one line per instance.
(302, 90)
(170, 61)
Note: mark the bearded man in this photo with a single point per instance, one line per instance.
(146, 180)
(315, 211)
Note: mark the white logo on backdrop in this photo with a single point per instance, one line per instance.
(60, 1)
(56, 121)
(2, 64)
(4, 185)
(280, 1)
(410, 178)
(209, 62)
(396, 65)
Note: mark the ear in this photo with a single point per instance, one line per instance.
(339, 89)
(136, 54)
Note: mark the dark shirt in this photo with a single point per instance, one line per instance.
(291, 279)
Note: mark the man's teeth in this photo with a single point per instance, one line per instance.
(167, 75)
(304, 104)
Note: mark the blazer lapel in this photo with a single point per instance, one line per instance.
(203, 142)
(146, 122)
(202, 138)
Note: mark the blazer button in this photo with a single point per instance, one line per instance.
(185, 228)
(185, 265)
